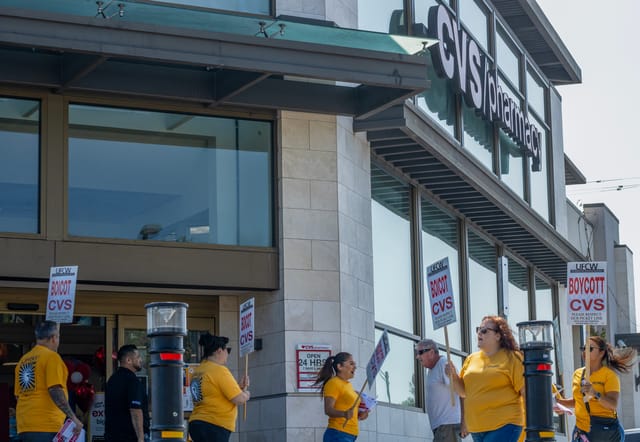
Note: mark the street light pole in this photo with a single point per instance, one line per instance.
(536, 343)
(166, 328)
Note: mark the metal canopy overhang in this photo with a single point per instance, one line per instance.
(402, 138)
(77, 53)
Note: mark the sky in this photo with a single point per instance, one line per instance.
(600, 115)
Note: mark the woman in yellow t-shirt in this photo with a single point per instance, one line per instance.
(340, 400)
(595, 397)
(216, 394)
(491, 381)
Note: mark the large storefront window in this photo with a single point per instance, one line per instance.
(421, 10)
(396, 381)
(536, 94)
(478, 136)
(439, 102)
(518, 293)
(483, 278)
(159, 176)
(261, 7)
(391, 233)
(387, 16)
(440, 240)
(508, 60)
(20, 165)
(540, 180)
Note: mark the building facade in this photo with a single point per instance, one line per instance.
(315, 156)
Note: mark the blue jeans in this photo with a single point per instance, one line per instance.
(331, 435)
(32, 436)
(507, 433)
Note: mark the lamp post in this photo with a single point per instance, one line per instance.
(535, 341)
(166, 327)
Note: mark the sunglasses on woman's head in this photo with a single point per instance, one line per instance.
(484, 330)
(583, 348)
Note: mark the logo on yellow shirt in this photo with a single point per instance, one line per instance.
(27, 376)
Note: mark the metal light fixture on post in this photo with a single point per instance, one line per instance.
(166, 328)
(535, 339)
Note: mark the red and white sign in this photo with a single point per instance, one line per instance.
(247, 332)
(66, 433)
(440, 292)
(377, 358)
(310, 358)
(62, 294)
(587, 293)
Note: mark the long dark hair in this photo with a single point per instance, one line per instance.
(330, 368)
(211, 343)
(619, 359)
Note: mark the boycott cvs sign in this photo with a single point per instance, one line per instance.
(377, 358)
(311, 358)
(62, 294)
(441, 294)
(246, 327)
(587, 293)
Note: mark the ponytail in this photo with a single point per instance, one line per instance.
(330, 368)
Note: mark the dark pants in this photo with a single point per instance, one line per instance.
(201, 431)
(36, 437)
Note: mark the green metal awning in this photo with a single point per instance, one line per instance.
(146, 49)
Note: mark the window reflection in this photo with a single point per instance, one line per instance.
(387, 16)
(421, 10)
(396, 380)
(20, 165)
(250, 6)
(391, 235)
(169, 177)
(478, 136)
(508, 60)
(518, 293)
(540, 180)
(511, 164)
(475, 19)
(440, 240)
(535, 94)
(483, 285)
(439, 101)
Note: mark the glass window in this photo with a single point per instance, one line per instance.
(478, 136)
(396, 381)
(511, 164)
(391, 236)
(508, 60)
(483, 285)
(439, 101)
(20, 165)
(544, 300)
(145, 175)
(475, 19)
(440, 240)
(251, 6)
(540, 179)
(518, 293)
(387, 16)
(535, 94)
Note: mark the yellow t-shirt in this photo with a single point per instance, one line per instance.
(603, 380)
(36, 371)
(492, 387)
(212, 388)
(344, 395)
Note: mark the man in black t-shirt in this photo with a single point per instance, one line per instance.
(126, 409)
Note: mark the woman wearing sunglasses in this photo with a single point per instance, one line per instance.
(595, 397)
(216, 394)
(491, 382)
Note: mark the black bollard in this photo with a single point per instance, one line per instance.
(536, 344)
(166, 328)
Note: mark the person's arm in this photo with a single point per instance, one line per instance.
(138, 422)
(457, 382)
(608, 399)
(241, 398)
(463, 426)
(329, 409)
(58, 397)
